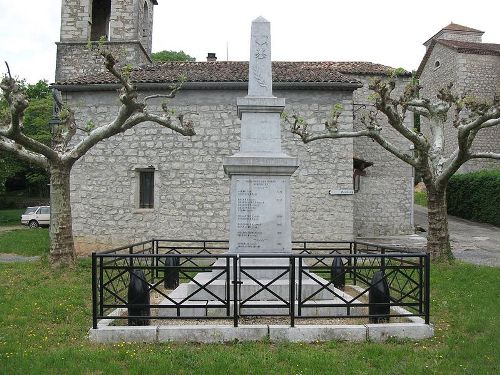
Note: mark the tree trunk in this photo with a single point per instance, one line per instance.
(62, 249)
(438, 237)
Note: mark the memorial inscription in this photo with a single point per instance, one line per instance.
(259, 204)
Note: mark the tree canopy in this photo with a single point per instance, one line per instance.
(35, 123)
(164, 55)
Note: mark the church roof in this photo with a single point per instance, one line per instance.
(472, 48)
(456, 27)
(237, 71)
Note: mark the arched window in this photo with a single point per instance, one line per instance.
(145, 21)
(101, 12)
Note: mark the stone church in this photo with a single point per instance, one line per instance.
(457, 54)
(152, 183)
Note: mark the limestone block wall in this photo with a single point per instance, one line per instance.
(384, 203)
(130, 37)
(74, 59)
(478, 75)
(75, 20)
(465, 36)
(191, 190)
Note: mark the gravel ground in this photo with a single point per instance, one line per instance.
(13, 258)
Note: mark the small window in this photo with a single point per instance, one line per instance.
(437, 64)
(44, 211)
(146, 188)
(145, 21)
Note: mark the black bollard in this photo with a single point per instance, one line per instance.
(171, 272)
(379, 299)
(138, 298)
(338, 273)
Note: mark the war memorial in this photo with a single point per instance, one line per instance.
(260, 284)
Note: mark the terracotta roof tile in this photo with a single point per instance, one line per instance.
(456, 27)
(237, 71)
(472, 48)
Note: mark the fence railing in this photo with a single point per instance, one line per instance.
(201, 280)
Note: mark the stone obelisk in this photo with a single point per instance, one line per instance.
(260, 172)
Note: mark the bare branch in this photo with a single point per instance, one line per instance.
(8, 69)
(491, 122)
(22, 153)
(389, 107)
(485, 155)
(419, 111)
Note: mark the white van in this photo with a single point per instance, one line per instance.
(36, 216)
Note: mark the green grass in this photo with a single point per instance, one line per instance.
(10, 217)
(421, 198)
(25, 241)
(45, 315)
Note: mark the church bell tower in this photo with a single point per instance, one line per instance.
(125, 25)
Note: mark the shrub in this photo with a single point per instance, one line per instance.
(475, 196)
(420, 198)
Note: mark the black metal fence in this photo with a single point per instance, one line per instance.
(319, 279)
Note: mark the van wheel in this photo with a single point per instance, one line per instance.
(33, 224)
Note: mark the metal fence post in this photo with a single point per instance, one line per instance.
(101, 292)
(354, 269)
(154, 244)
(292, 291)
(131, 259)
(299, 288)
(420, 285)
(427, 287)
(235, 290)
(228, 288)
(94, 291)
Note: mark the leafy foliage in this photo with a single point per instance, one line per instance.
(163, 56)
(475, 196)
(35, 122)
(420, 198)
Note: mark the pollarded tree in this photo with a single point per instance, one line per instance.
(60, 157)
(429, 159)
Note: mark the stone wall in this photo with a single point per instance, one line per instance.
(75, 59)
(384, 203)
(464, 36)
(478, 75)
(192, 192)
(128, 41)
(75, 20)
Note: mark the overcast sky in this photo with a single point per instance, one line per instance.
(384, 31)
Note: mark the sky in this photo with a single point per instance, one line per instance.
(384, 31)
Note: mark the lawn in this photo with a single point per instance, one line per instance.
(45, 316)
(25, 241)
(420, 198)
(10, 217)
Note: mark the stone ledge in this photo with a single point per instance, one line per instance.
(273, 333)
(311, 333)
(412, 331)
(112, 334)
(212, 333)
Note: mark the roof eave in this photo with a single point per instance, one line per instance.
(145, 86)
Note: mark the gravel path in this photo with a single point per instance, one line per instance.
(8, 228)
(14, 258)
